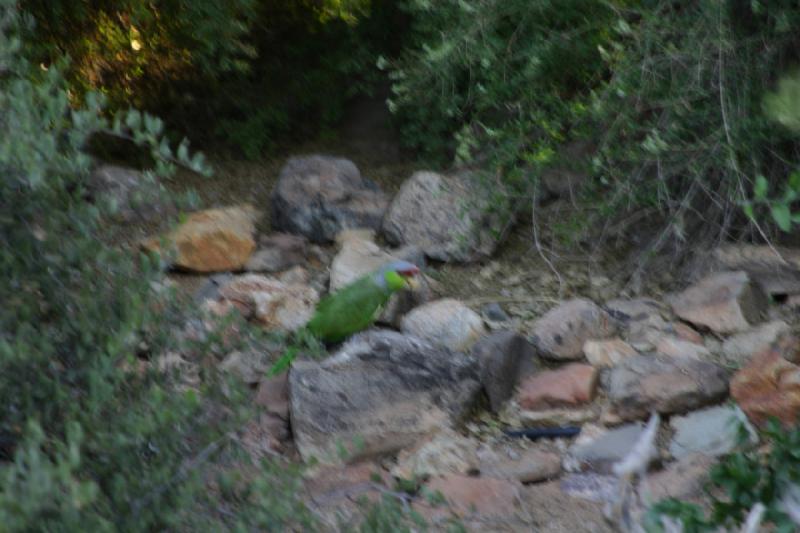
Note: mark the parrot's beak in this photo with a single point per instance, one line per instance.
(412, 282)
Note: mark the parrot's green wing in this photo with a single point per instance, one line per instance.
(349, 310)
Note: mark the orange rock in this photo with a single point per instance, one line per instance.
(477, 495)
(769, 386)
(574, 384)
(607, 353)
(215, 240)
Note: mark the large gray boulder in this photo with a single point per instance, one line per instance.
(318, 196)
(380, 393)
(446, 216)
(646, 383)
(137, 196)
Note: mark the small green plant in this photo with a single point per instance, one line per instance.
(780, 207)
(741, 481)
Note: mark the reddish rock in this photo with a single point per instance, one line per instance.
(770, 384)
(607, 353)
(677, 347)
(684, 332)
(478, 495)
(574, 384)
(562, 331)
(727, 302)
(215, 240)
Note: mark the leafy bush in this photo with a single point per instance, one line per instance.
(245, 74)
(501, 80)
(678, 101)
(685, 132)
(742, 480)
(133, 49)
(93, 435)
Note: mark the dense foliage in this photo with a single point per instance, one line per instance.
(686, 135)
(244, 74)
(504, 80)
(677, 103)
(94, 434)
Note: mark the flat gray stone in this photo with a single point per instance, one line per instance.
(711, 431)
(600, 453)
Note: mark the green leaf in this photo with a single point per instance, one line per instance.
(794, 180)
(748, 210)
(782, 216)
(761, 187)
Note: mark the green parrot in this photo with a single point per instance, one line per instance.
(352, 308)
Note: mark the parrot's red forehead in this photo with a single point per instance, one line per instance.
(411, 270)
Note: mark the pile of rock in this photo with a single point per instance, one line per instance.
(392, 402)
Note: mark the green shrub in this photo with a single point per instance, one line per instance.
(503, 81)
(679, 101)
(685, 135)
(739, 482)
(93, 436)
(245, 75)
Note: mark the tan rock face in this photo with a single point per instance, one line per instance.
(215, 240)
(607, 353)
(357, 257)
(739, 348)
(562, 331)
(727, 302)
(446, 452)
(274, 304)
(273, 395)
(574, 384)
(682, 479)
(770, 384)
(527, 465)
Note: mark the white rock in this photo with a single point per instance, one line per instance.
(447, 322)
